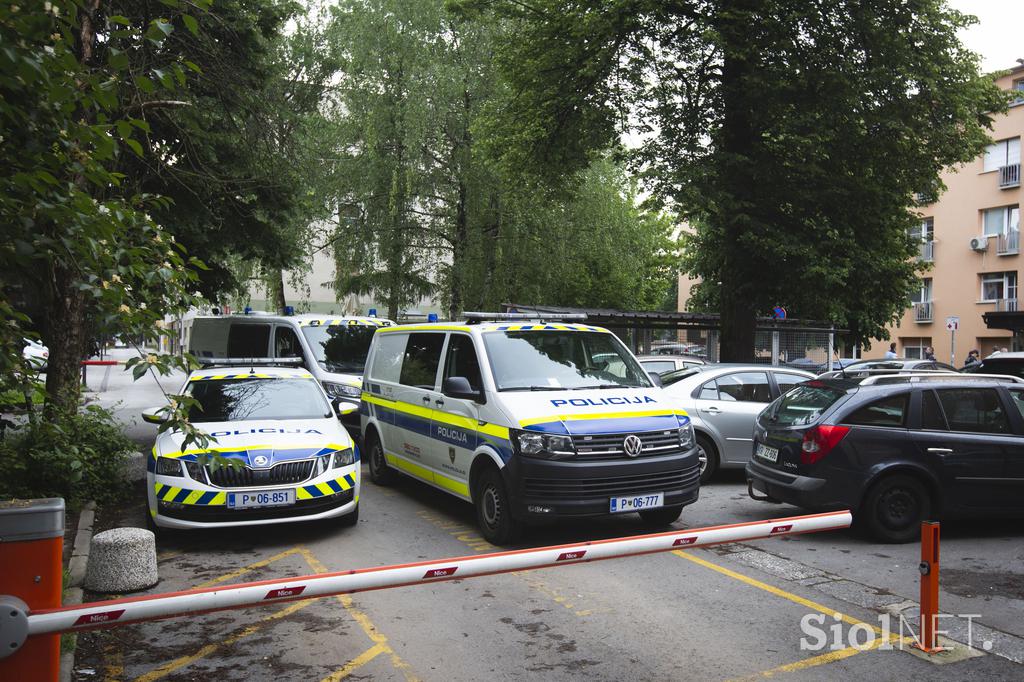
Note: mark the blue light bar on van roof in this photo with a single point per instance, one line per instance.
(486, 317)
(249, 362)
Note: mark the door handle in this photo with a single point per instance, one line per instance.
(941, 451)
(711, 410)
(426, 399)
(439, 402)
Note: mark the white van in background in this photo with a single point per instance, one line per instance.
(333, 348)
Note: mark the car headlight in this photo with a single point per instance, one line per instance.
(687, 439)
(342, 390)
(344, 458)
(165, 466)
(546, 445)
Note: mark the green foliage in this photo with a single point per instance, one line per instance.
(790, 135)
(81, 457)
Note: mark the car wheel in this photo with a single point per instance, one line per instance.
(708, 455)
(894, 509)
(380, 472)
(659, 518)
(494, 510)
(350, 519)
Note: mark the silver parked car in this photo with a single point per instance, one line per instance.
(659, 364)
(723, 402)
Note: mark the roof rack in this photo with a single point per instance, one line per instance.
(250, 362)
(938, 376)
(476, 317)
(847, 373)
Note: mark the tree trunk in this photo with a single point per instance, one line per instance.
(458, 255)
(65, 324)
(277, 290)
(735, 178)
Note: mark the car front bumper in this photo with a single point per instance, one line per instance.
(542, 488)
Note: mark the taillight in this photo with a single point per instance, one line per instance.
(820, 441)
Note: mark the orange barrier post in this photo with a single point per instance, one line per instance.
(929, 587)
(31, 545)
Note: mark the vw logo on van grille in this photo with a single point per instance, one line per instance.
(632, 445)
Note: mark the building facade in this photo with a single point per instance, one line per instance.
(971, 237)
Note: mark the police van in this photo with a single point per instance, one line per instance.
(528, 420)
(333, 348)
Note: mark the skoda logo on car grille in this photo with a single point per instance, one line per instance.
(260, 461)
(632, 445)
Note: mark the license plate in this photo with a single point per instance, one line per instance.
(266, 498)
(637, 502)
(765, 452)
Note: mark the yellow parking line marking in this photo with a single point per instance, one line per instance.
(168, 668)
(360, 660)
(814, 661)
(250, 567)
(365, 623)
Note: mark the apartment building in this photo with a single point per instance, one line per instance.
(971, 237)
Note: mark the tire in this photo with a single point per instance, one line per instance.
(494, 509)
(380, 472)
(894, 509)
(708, 454)
(659, 518)
(351, 519)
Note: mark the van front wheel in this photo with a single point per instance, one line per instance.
(380, 472)
(493, 509)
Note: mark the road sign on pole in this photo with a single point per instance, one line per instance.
(952, 324)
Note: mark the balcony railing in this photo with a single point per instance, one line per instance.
(1009, 176)
(927, 252)
(923, 312)
(1008, 305)
(1008, 244)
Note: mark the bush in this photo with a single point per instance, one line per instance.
(80, 458)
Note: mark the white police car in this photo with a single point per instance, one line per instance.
(297, 461)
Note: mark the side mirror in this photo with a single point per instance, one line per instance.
(656, 378)
(458, 387)
(154, 415)
(343, 407)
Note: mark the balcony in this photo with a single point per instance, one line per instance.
(926, 253)
(1008, 244)
(1009, 176)
(923, 312)
(1005, 305)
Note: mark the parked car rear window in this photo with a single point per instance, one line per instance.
(1018, 399)
(975, 410)
(804, 404)
(890, 411)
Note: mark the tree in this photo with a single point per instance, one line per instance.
(792, 136)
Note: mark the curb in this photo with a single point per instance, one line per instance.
(76, 576)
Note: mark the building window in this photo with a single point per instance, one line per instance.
(999, 286)
(1018, 85)
(1002, 153)
(924, 293)
(1002, 220)
(913, 349)
(925, 231)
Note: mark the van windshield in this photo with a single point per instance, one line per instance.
(560, 360)
(228, 400)
(340, 348)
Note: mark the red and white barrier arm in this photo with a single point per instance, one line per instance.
(153, 607)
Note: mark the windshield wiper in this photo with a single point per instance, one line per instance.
(532, 388)
(602, 386)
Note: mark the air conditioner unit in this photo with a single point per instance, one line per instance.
(979, 244)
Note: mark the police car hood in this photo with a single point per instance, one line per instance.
(592, 411)
(269, 441)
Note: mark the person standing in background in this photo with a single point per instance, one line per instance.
(891, 353)
(929, 353)
(973, 358)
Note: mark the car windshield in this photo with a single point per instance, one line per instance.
(228, 400)
(340, 347)
(559, 360)
(802, 405)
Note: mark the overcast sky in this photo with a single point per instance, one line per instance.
(997, 36)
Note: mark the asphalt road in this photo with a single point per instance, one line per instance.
(725, 613)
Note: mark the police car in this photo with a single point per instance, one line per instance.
(527, 420)
(294, 459)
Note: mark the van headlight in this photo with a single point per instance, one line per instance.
(165, 466)
(545, 445)
(336, 390)
(687, 439)
(344, 458)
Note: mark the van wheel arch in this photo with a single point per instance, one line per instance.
(481, 462)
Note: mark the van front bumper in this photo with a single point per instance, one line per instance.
(542, 488)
